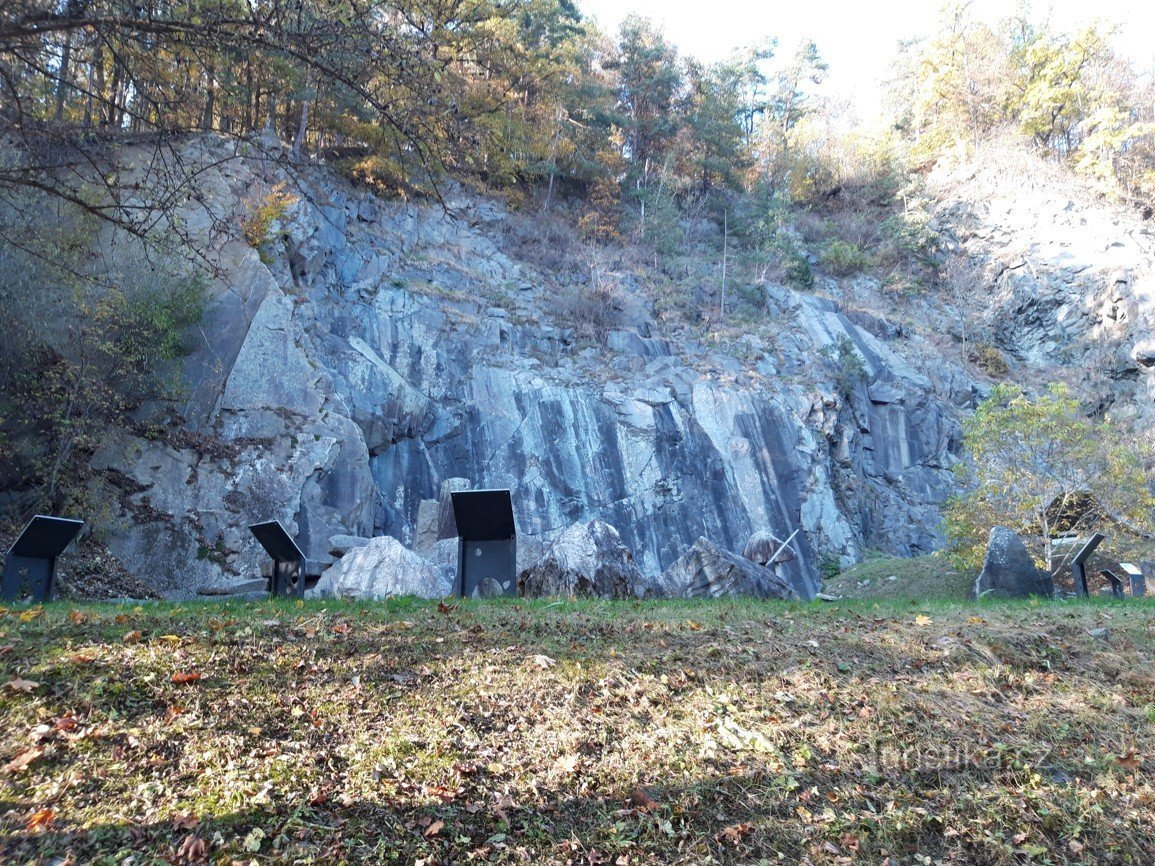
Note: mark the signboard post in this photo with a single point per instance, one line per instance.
(30, 565)
(1079, 563)
(487, 546)
(288, 560)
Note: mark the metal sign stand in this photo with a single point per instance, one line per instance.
(487, 549)
(1116, 582)
(31, 561)
(1135, 578)
(1079, 563)
(288, 560)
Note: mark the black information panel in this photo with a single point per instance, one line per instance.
(288, 560)
(30, 564)
(487, 551)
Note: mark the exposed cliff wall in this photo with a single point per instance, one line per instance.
(384, 347)
(1058, 279)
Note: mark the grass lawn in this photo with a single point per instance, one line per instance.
(889, 577)
(578, 732)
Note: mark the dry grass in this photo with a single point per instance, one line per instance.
(577, 733)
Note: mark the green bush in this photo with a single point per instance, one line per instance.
(799, 274)
(988, 359)
(842, 258)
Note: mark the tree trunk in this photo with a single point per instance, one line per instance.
(303, 125)
(62, 80)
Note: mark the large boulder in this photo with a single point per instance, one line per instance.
(707, 571)
(588, 559)
(763, 546)
(383, 568)
(446, 521)
(1009, 571)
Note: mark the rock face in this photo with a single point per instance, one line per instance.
(381, 569)
(588, 559)
(1009, 571)
(707, 571)
(1062, 280)
(388, 348)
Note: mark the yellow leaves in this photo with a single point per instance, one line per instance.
(41, 821)
(923, 620)
(17, 684)
(693, 625)
(170, 638)
(31, 614)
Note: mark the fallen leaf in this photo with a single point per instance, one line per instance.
(66, 723)
(922, 619)
(76, 616)
(41, 820)
(693, 626)
(31, 614)
(82, 658)
(543, 662)
(1130, 761)
(23, 761)
(192, 850)
(19, 685)
(433, 829)
(131, 637)
(171, 638)
(735, 833)
(342, 628)
(567, 764)
(186, 822)
(120, 618)
(318, 796)
(442, 607)
(641, 800)
(184, 678)
(1075, 846)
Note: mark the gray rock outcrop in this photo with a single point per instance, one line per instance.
(388, 348)
(1009, 571)
(588, 559)
(707, 571)
(381, 569)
